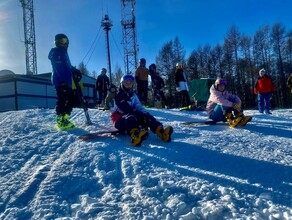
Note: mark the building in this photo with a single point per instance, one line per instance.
(19, 92)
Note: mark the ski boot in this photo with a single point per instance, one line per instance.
(244, 119)
(138, 136)
(63, 123)
(164, 134)
(233, 122)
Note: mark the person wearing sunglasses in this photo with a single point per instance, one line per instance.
(130, 117)
(225, 106)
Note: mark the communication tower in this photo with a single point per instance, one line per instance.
(129, 35)
(29, 37)
(106, 23)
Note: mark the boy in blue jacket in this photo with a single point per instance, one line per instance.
(129, 115)
(62, 80)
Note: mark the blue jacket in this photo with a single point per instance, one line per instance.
(61, 66)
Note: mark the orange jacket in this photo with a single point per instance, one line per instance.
(264, 85)
(142, 73)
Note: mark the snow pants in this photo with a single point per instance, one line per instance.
(142, 90)
(219, 112)
(129, 121)
(184, 98)
(101, 96)
(264, 102)
(65, 100)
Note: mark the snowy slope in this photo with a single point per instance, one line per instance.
(206, 172)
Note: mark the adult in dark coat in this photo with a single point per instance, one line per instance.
(102, 85)
(157, 84)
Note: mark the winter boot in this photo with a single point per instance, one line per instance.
(244, 119)
(164, 134)
(138, 136)
(231, 120)
(63, 123)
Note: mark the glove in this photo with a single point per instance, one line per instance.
(237, 106)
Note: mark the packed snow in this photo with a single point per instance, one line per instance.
(207, 171)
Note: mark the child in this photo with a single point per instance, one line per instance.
(62, 80)
(224, 106)
(129, 116)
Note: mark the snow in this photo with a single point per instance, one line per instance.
(206, 172)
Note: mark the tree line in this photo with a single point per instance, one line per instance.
(238, 59)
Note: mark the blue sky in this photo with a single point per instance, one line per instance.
(195, 22)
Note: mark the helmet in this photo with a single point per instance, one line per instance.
(127, 77)
(178, 65)
(220, 81)
(61, 40)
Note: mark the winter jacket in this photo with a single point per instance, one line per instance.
(264, 84)
(102, 83)
(180, 80)
(61, 67)
(126, 102)
(157, 82)
(141, 73)
(220, 98)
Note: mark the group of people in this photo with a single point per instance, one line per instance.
(128, 113)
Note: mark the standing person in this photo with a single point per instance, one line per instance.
(62, 80)
(129, 115)
(182, 86)
(224, 106)
(141, 76)
(264, 88)
(289, 82)
(101, 86)
(157, 85)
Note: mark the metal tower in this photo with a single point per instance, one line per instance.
(29, 37)
(106, 23)
(129, 35)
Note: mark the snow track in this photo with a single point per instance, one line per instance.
(210, 172)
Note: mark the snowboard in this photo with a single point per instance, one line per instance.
(241, 122)
(208, 122)
(99, 134)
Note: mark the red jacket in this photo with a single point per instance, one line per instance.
(264, 85)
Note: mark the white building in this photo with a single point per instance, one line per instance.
(18, 92)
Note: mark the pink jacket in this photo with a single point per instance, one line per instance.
(220, 98)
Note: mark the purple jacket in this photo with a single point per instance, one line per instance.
(224, 98)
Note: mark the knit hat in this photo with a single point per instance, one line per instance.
(262, 72)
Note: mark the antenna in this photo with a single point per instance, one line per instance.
(29, 37)
(106, 23)
(129, 35)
